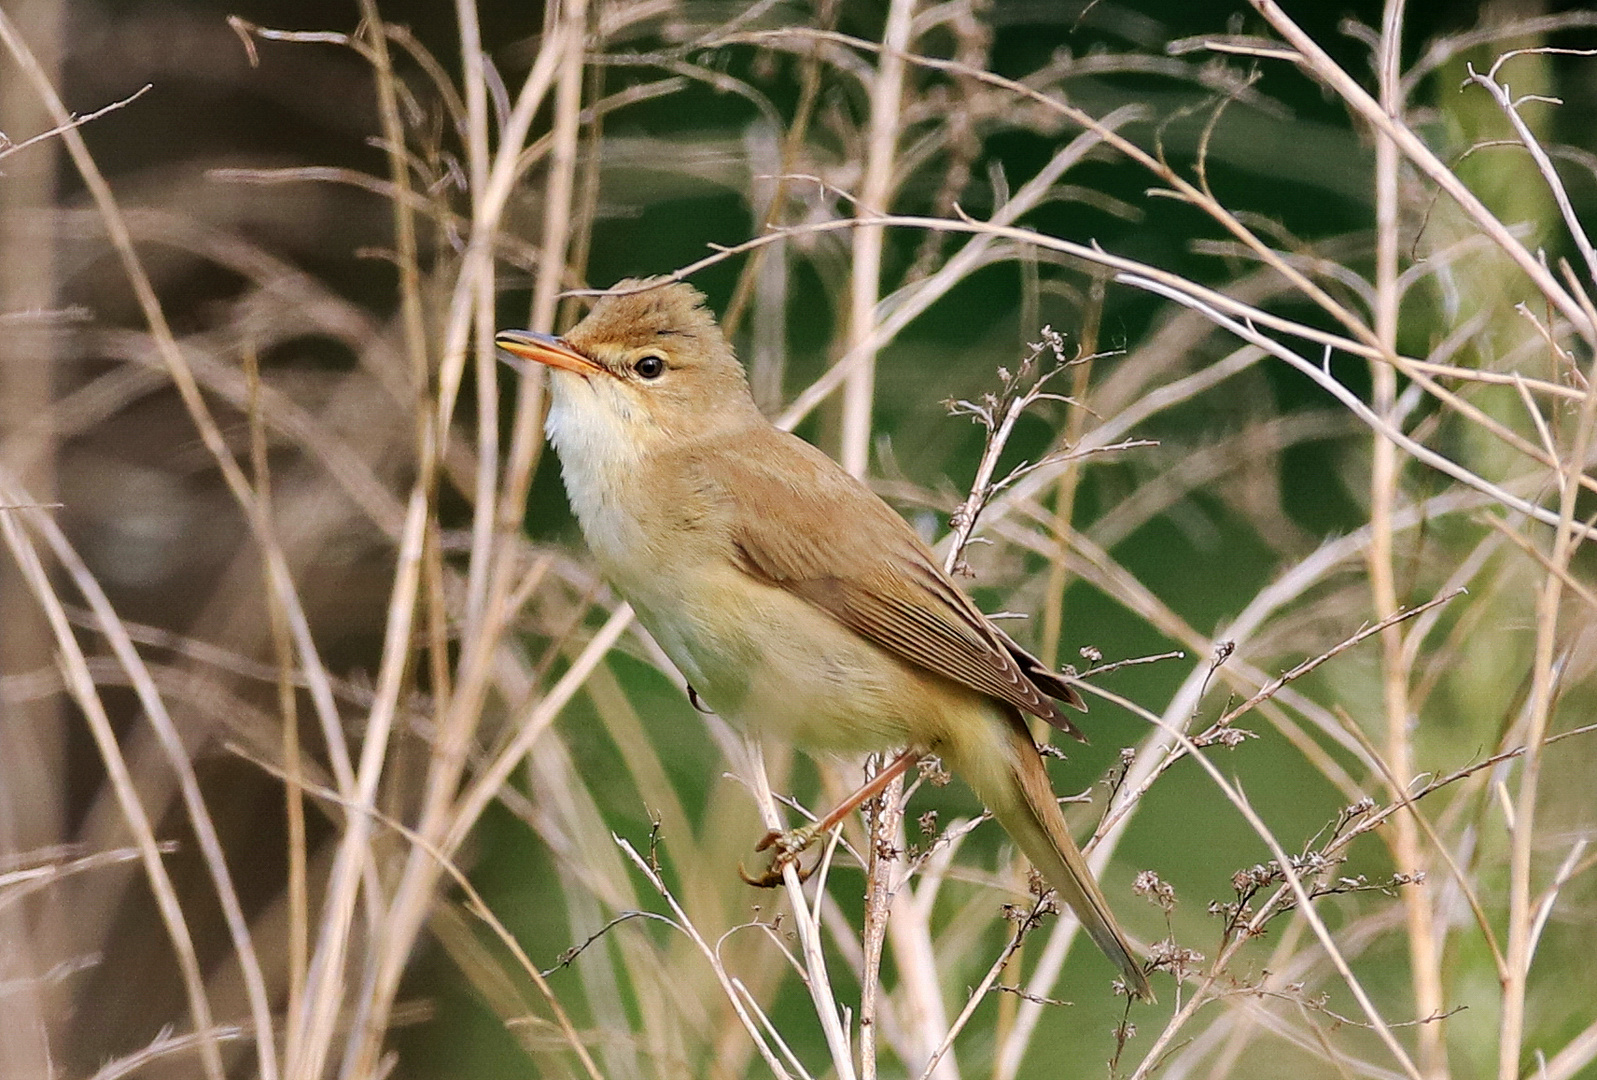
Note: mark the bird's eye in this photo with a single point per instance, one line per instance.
(649, 365)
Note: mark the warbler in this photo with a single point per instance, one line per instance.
(794, 600)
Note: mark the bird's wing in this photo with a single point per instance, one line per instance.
(1047, 680)
(870, 572)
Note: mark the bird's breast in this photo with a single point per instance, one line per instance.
(758, 654)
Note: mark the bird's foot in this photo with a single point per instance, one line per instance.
(787, 848)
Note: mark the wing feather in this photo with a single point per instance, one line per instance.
(875, 576)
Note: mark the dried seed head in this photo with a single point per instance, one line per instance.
(1149, 885)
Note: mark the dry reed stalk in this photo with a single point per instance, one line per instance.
(873, 200)
(313, 1030)
(413, 895)
(1424, 954)
(1520, 938)
(886, 87)
(817, 980)
(298, 886)
(33, 735)
(484, 520)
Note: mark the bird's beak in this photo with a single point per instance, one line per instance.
(545, 349)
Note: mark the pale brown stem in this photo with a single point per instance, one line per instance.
(964, 519)
(239, 487)
(1572, 583)
(875, 194)
(298, 887)
(407, 259)
(325, 990)
(418, 592)
(922, 1017)
(835, 376)
(33, 734)
(177, 759)
(859, 393)
(1183, 189)
(881, 837)
(478, 160)
(527, 438)
(1053, 612)
(1358, 408)
(1211, 303)
(808, 923)
(413, 895)
(1521, 909)
(1294, 884)
(1424, 957)
(1154, 747)
(740, 1004)
(792, 145)
(405, 247)
(488, 206)
(475, 904)
(1578, 1053)
(982, 989)
(177, 366)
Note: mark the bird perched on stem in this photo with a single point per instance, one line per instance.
(793, 599)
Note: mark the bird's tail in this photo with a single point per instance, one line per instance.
(1024, 805)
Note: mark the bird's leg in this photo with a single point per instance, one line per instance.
(788, 845)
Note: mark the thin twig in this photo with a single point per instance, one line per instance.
(7, 147)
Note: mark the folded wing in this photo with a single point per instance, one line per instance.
(874, 575)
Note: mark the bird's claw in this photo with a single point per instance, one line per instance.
(788, 846)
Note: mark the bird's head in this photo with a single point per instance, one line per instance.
(647, 361)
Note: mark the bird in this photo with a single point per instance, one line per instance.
(795, 602)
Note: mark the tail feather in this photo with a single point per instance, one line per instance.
(1030, 814)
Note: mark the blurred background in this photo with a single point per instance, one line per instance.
(257, 181)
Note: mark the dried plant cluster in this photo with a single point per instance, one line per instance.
(320, 748)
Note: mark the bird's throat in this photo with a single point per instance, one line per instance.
(602, 442)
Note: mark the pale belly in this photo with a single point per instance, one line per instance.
(759, 656)
(774, 664)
